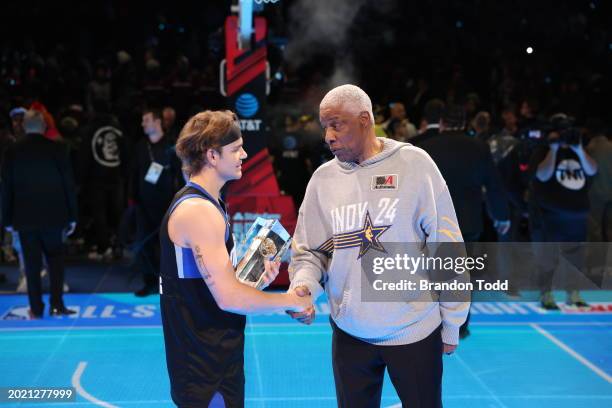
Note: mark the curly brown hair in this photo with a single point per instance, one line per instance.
(202, 132)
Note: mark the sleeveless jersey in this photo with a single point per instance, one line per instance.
(204, 344)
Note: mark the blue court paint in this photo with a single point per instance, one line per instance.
(504, 363)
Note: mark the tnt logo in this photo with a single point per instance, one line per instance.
(386, 182)
(570, 174)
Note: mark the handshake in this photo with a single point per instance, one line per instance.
(304, 312)
(299, 298)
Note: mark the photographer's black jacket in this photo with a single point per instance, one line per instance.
(466, 165)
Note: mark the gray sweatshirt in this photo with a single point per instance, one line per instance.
(401, 187)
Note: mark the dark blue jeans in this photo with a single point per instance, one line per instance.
(563, 234)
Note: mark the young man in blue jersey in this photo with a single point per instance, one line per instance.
(202, 302)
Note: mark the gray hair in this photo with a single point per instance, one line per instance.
(34, 122)
(350, 97)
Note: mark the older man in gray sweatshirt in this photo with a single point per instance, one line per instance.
(375, 190)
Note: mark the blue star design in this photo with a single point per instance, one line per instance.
(364, 238)
(370, 235)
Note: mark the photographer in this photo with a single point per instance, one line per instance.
(559, 202)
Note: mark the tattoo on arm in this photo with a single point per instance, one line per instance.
(199, 258)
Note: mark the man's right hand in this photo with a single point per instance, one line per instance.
(306, 315)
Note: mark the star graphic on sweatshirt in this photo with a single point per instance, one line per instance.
(365, 238)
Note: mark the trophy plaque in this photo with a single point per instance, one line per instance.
(266, 239)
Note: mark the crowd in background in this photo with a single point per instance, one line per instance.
(110, 105)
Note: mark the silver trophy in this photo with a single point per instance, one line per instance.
(266, 239)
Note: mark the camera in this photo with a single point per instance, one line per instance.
(570, 136)
(530, 138)
(564, 125)
(535, 135)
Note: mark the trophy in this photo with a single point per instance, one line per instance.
(266, 239)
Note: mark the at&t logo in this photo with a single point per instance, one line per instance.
(247, 106)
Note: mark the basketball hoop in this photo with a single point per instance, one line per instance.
(265, 1)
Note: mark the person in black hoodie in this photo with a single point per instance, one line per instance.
(155, 177)
(430, 123)
(35, 170)
(102, 170)
(466, 165)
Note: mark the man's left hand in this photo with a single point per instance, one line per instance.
(271, 272)
(449, 348)
(306, 317)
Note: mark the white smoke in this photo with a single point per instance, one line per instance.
(319, 23)
(323, 25)
(343, 74)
